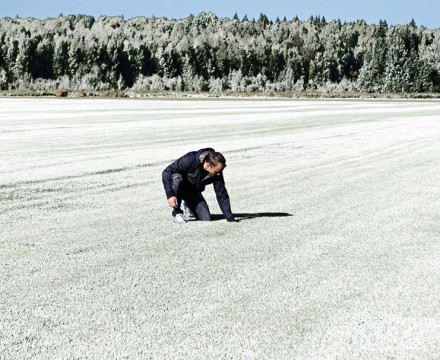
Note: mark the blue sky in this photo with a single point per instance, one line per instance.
(425, 12)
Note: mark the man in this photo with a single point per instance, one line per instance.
(186, 178)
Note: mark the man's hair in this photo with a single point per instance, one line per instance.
(215, 158)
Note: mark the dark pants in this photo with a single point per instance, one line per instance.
(193, 197)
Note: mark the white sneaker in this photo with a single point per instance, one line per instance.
(178, 219)
(187, 214)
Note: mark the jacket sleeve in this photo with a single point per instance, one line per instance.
(181, 166)
(223, 199)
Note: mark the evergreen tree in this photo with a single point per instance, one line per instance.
(396, 77)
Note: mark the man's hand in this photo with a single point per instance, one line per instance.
(172, 202)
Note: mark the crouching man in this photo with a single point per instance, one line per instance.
(186, 178)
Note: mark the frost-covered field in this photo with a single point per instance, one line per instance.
(336, 256)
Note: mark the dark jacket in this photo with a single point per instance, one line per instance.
(190, 166)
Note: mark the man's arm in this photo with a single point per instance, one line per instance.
(223, 198)
(181, 166)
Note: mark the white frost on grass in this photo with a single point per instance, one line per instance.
(336, 256)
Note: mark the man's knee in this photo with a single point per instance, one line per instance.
(205, 217)
(203, 213)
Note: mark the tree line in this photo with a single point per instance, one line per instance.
(208, 53)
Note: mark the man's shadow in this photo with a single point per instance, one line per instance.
(248, 216)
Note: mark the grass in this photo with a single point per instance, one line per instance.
(335, 254)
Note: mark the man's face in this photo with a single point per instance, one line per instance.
(213, 170)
